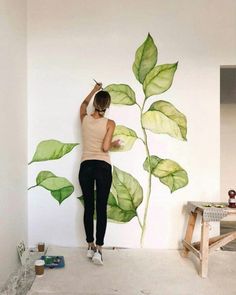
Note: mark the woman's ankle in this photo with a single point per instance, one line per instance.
(91, 245)
(99, 248)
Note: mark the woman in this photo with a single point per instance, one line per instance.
(95, 167)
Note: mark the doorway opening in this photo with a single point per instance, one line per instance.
(227, 129)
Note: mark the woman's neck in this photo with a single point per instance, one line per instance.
(96, 115)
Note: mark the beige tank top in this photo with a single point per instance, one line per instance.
(93, 133)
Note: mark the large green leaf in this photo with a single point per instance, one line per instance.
(127, 137)
(159, 79)
(121, 94)
(60, 187)
(169, 172)
(127, 189)
(125, 197)
(163, 117)
(145, 59)
(51, 150)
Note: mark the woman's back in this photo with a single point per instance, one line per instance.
(93, 133)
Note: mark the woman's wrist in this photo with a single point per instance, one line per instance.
(93, 91)
(97, 87)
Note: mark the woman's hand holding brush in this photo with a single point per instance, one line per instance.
(97, 86)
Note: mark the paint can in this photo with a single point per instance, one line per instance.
(41, 247)
(39, 267)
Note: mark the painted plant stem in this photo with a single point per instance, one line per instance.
(139, 221)
(149, 179)
(32, 186)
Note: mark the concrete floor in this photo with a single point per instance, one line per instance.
(137, 272)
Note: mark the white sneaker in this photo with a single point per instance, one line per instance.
(97, 258)
(90, 252)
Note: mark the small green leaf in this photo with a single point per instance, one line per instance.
(121, 94)
(60, 187)
(145, 59)
(163, 117)
(51, 150)
(44, 175)
(127, 137)
(169, 172)
(154, 160)
(159, 79)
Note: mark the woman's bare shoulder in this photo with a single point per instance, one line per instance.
(111, 123)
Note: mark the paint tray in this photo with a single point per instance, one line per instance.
(53, 261)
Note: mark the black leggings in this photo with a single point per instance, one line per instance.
(98, 171)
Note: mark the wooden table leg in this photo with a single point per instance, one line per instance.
(204, 249)
(189, 231)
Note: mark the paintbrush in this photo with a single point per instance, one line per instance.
(97, 82)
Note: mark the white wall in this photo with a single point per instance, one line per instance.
(71, 42)
(13, 133)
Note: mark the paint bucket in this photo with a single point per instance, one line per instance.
(39, 267)
(41, 247)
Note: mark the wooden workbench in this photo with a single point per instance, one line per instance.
(206, 245)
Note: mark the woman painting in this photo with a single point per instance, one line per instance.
(95, 167)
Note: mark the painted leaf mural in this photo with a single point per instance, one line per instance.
(60, 187)
(159, 79)
(127, 137)
(51, 150)
(163, 117)
(145, 59)
(121, 94)
(169, 172)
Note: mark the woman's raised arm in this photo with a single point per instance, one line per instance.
(85, 103)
